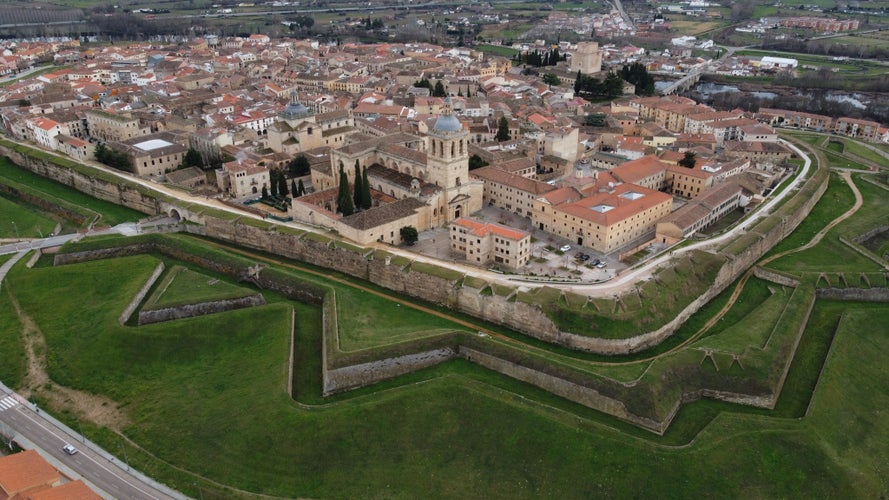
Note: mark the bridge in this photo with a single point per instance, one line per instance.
(684, 83)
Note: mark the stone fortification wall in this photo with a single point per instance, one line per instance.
(121, 193)
(586, 396)
(61, 211)
(775, 277)
(147, 317)
(855, 294)
(355, 376)
(527, 318)
(137, 299)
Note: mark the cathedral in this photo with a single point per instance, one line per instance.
(415, 181)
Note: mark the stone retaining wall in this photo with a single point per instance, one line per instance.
(360, 375)
(854, 294)
(140, 296)
(49, 206)
(774, 277)
(147, 317)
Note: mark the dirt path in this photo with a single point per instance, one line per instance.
(98, 409)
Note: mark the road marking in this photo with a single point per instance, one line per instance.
(122, 479)
(7, 403)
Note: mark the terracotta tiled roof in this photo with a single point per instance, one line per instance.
(494, 174)
(486, 228)
(20, 472)
(75, 490)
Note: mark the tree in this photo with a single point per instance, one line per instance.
(637, 74)
(265, 192)
(356, 194)
(192, 158)
(476, 161)
(439, 90)
(344, 197)
(551, 79)
(300, 189)
(578, 82)
(299, 166)
(409, 235)
(502, 130)
(282, 185)
(366, 200)
(273, 183)
(688, 161)
(614, 85)
(112, 158)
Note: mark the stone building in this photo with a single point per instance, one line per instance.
(587, 58)
(108, 126)
(484, 242)
(699, 213)
(603, 218)
(154, 154)
(243, 178)
(433, 171)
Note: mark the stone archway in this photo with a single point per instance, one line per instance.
(174, 214)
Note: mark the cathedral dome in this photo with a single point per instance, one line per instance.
(295, 110)
(447, 123)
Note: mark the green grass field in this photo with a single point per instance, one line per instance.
(831, 254)
(13, 363)
(111, 214)
(20, 220)
(182, 286)
(212, 399)
(207, 397)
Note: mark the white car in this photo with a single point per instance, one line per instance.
(69, 449)
(565, 248)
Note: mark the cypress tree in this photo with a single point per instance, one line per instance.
(344, 198)
(356, 195)
(273, 182)
(366, 200)
(282, 185)
(300, 188)
(293, 190)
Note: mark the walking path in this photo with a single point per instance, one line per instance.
(615, 286)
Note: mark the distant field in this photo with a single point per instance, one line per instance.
(857, 68)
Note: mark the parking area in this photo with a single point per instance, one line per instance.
(548, 260)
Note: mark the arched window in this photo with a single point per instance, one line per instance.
(461, 146)
(433, 146)
(452, 148)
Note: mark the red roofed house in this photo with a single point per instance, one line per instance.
(609, 219)
(75, 490)
(45, 131)
(24, 473)
(484, 242)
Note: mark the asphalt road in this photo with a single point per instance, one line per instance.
(97, 468)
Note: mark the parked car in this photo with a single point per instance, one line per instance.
(578, 256)
(595, 262)
(584, 257)
(69, 449)
(565, 248)
(600, 265)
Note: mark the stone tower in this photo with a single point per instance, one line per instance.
(447, 166)
(587, 58)
(447, 151)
